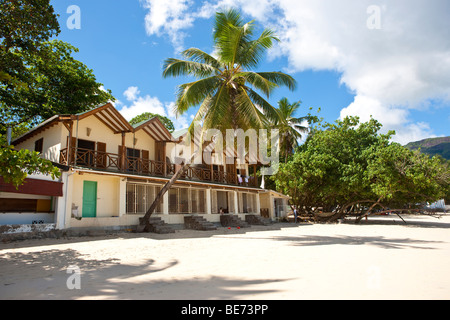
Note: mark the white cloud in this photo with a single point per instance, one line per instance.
(168, 18)
(141, 105)
(131, 93)
(400, 66)
(179, 122)
(147, 103)
(392, 118)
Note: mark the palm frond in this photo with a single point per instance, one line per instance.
(250, 116)
(218, 113)
(266, 108)
(280, 78)
(193, 93)
(253, 51)
(195, 54)
(175, 67)
(257, 81)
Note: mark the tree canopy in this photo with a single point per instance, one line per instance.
(148, 115)
(38, 79)
(16, 165)
(349, 165)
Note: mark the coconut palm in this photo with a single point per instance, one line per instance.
(225, 89)
(290, 128)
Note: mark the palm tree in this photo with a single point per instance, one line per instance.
(290, 128)
(225, 88)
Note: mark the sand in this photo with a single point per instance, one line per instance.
(379, 259)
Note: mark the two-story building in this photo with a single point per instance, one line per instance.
(112, 171)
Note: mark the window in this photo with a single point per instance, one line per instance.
(39, 145)
(141, 196)
(132, 161)
(173, 200)
(222, 201)
(187, 200)
(247, 202)
(198, 201)
(184, 200)
(85, 153)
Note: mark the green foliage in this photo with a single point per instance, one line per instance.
(55, 83)
(290, 128)
(225, 85)
(38, 79)
(27, 23)
(350, 162)
(148, 115)
(16, 165)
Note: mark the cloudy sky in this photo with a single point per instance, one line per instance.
(385, 59)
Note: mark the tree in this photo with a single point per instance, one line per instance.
(349, 168)
(225, 88)
(225, 85)
(38, 79)
(290, 128)
(16, 165)
(55, 83)
(25, 25)
(148, 115)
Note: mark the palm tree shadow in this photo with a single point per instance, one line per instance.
(44, 275)
(380, 241)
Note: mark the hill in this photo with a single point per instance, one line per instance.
(432, 146)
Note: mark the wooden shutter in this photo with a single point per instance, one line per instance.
(121, 159)
(39, 145)
(145, 162)
(101, 155)
(159, 151)
(214, 208)
(71, 150)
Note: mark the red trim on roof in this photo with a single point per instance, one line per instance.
(34, 186)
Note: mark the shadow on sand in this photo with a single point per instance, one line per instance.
(43, 275)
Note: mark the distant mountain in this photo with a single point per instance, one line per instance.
(432, 146)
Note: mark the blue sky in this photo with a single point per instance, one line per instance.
(386, 59)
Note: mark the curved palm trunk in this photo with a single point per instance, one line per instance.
(145, 221)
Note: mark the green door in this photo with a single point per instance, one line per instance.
(89, 199)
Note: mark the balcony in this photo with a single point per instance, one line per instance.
(106, 161)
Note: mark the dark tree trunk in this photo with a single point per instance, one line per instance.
(145, 221)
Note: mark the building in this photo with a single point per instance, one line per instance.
(112, 171)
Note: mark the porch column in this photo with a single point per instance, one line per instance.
(61, 203)
(68, 195)
(164, 159)
(258, 204)
(208, 201)
(166, 203)
(122, 156)
(122, 196)
(69, 127)
(236, 203)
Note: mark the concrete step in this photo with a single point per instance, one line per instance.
(198, 223)
(230, 220)
(257, 220)
(157, 225)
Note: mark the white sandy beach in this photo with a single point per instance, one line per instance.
(381, 259)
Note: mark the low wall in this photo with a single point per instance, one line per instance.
(14, 218)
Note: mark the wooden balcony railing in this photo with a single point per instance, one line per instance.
(113, 162)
